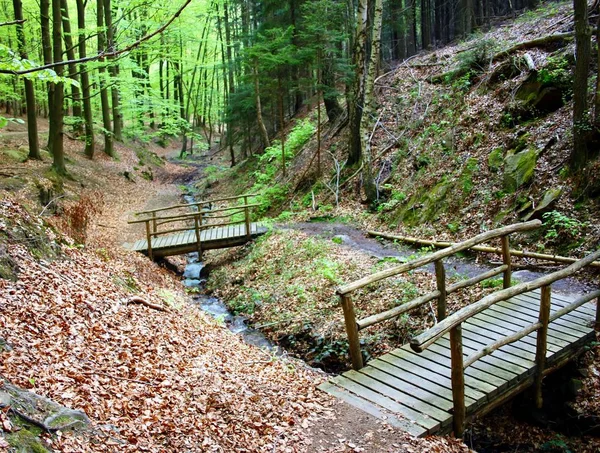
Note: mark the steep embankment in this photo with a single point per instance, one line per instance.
(97, 328)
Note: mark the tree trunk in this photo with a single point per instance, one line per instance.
(34, 148)
(108, 135)
(426, 23)
(85, 83)
(46, 50)
(113, 70)
(356, 98)
(581, 123)
(328, 91)
(369, 106)
(597, 97)
(55, 134)
(231, 82)
(70, 50)
(261, 124)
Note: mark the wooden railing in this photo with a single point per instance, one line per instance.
(454, 322)
(353, 326)
(204, 218)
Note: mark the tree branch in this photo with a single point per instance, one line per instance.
(14, 22)
(104, 54)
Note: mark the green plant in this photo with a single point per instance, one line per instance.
(561, 227)
(328, 269)
(556, 445)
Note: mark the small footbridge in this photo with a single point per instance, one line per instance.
(477, 358)
(195, 227)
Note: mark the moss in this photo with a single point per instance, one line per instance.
(519, 169)
(425, 205)
(496, 159)
(17, 155)
(26, 440)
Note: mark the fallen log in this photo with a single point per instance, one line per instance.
(538, 42)
(139, 300)
(481, 248)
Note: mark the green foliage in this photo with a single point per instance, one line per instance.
(269, 194)
(557, 72)
(478, 57)
(328, 269)
(562, 228)
(557, 445)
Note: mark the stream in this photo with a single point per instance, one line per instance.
(194, 276)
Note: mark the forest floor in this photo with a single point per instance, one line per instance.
(174, 379)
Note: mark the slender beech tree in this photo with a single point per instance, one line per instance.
(46, 50)
(73, 74)
(106, 122)
(370, 106)
(34, 149)
(356, 95)
(55, 133)
(113, 70)
(581, 122)
(85, 82)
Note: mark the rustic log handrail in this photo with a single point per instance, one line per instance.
(353, 326)
(453, 324)
(198, 203)
(427, 338)
(198, 217)
(444, 253)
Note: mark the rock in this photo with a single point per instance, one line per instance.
(193, 271)
(548, 200)
(66, 419)
(496, 159)
(519, 169)
(574, 386)
(5, 399)
(43, 411)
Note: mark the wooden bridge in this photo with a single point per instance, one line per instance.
(204, 228)
(473, 360)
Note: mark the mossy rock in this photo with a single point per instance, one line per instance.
(496, 159)
(519, 169)
(546, 204)
(426, 205)
(26, 440)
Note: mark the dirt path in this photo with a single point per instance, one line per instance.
(358, 240)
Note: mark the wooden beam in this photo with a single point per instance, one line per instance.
(422, 341)
(479, 248)
(474, 280)
(542, 344)
(440, 277)
(506, 261)
(352, 330)
(458, 381)
(430, 258)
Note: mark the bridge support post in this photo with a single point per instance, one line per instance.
(458, 381)
(149, 240)
(247, 217)
(506, 260)
(352, 330)
(542, 339)
(197, 223)
(440, 276)
(597, 326)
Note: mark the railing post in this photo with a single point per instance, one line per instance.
(440, 276)
(597, 326)
(247, 217)
(352, 330)
(149, 240)
(197, 223)
(506, 260)
(154, 222)
(458, 381)
(540, 351)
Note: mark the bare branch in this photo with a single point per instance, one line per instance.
(104, 54)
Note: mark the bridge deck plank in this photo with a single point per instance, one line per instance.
(416, 388)
(210, 238)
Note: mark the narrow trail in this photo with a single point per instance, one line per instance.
(466, 267)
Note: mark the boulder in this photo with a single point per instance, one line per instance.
(548, 200)
(519, 169)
